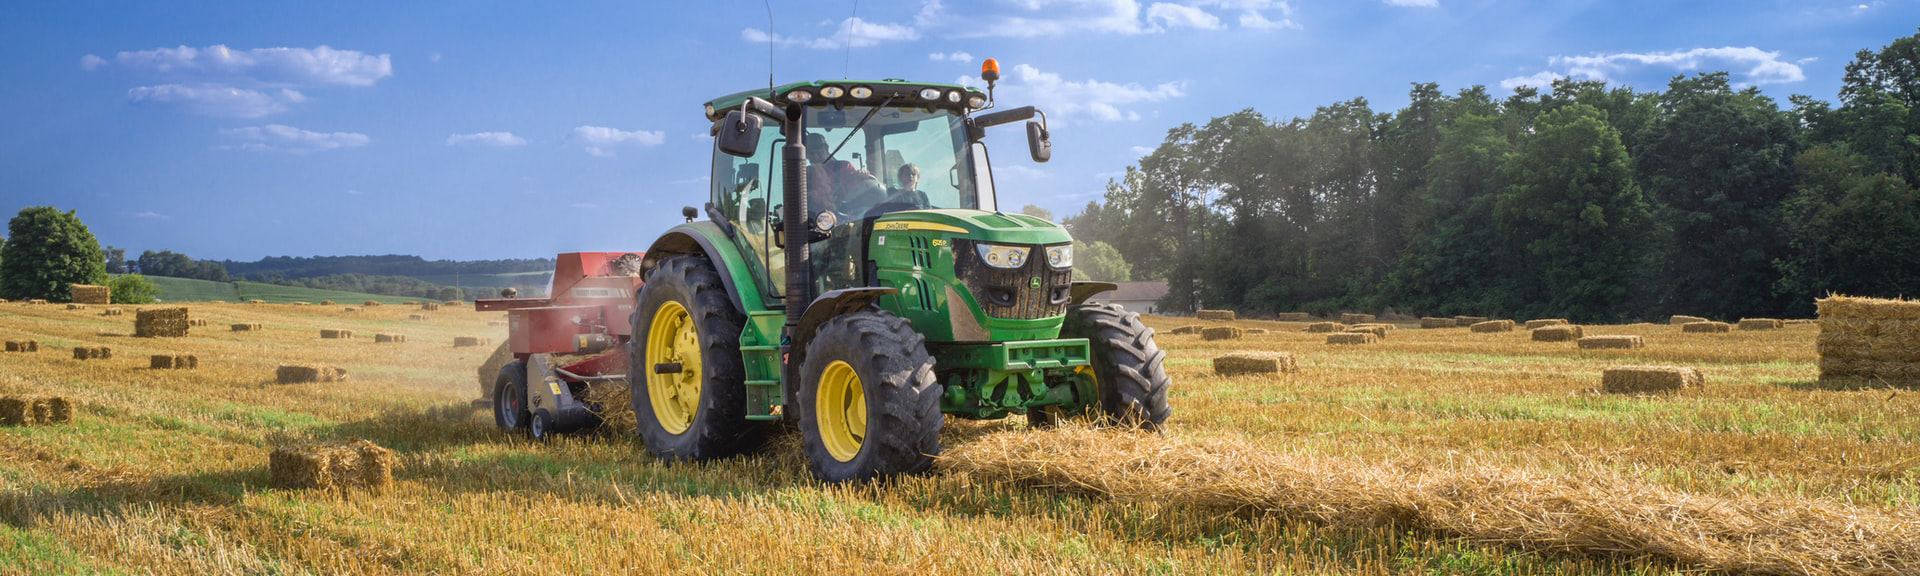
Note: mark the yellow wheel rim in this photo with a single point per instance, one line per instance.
(671, 338)
(841, 408)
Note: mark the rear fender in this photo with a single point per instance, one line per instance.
(705, 238)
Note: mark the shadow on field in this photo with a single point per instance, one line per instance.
(1847, 385)
(105, 492)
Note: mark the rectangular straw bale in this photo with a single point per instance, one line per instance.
(1638, 379)
(1680, 320)
(245, 327)
(91, 294)
(296, 374)
(326, 302)
(160, 322)
(14, 411)
(23, 346)
(1433, 322)
(1545, 322)
(1381, 325)
(1221, 333)
(59, 410)
(389, 338)
(40, 412)
(429, 306)
(1611, 341)
(36, 301)
(1378, 331)
(173, 362)
(1707, 327)
(1492, 326)
(352, 309)
(1869, 339)
(1800, 322)
(1562, 333)
(197, 322)
(1188, 329)
(160, 362)
(333, 466)
(1247, 362)
(416, 316)
(1356, 318)
(1293, 317)
(92, 353)
(76, 306)
(1318, 327)
(1352, 338)
(336, 333)
(1469, 320)
(256, 301)
(111, 312)
(1761, 324)
(465, 341)
(370, 303)
(1222, 315)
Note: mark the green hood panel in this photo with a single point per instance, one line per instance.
(998, 227)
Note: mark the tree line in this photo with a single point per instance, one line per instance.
(382, 265)
(1588, 201)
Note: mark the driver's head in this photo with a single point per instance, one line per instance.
(816, 148)
(909, 176)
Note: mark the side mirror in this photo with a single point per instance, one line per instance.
(739, 133)
(1038, 143)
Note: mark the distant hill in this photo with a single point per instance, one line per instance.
(190, 290)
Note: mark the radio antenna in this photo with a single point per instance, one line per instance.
(852, 21)
(769, 5)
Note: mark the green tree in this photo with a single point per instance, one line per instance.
(49, 251)
(1456, 263)
(116, 260)
(133, 289)
(1095, 260)
(1571, 202)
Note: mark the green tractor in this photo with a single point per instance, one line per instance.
(830, 286)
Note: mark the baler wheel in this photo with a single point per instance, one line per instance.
(510, 397)
(868, 403)
(1129, 375)
(686, 374)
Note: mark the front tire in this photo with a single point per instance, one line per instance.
(1130, 379)
(868, 403)
(510, 397)
(684, 366)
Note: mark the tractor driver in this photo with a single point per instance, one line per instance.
(908, 192)
(836, 184)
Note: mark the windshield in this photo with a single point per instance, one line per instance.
(866, 158)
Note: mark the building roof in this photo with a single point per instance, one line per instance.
(1149, 290)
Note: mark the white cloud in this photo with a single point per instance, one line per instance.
(1541, 79)
(1062, 98)
(1140, 150)
(1749, 65)
(962, 57)
(287, 138)
(218, 99)
(496, 139)
(151, 215)
(1257, 21)
(863, 34)
(1419, 3)
(1163, 15)
(321, 65)
(91, 62)
(600, 140)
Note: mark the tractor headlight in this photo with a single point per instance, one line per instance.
(1002, 256)
(832, 92)
(799, 96)
(929, 94)
(1060, 256)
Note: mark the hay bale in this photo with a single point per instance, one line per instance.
(370, 303)
(1431, 322)
(173, 362)
(352, 309)
(416, 316)
(335, 333)
(1706, 327)
(1492, 326)
(59, 410)
(23, 345)
(356, 465)
(1761, 324)
(76, 306)
(326, 302)
(1218, 315)
(298, 374)
(1545, 322)
(92, 353)
(1293, 317)
(301, 303)
(1356, 318)
(246, 327)
(197, 322)
(14, 411)
(1640, 379)
(1221, 333)
(1322, 327)
(160, 362)
(36, 301)
(91, 294)
(1680, 320)
(1611, 342)
(161, 322)
(1245, 362)
(111, 312)
(1561, 333)
(256, 301)
(1189, 329)
(429, 306)
(1352, 338)
(1381, 325)
(1378, 331)
(1869, 339)
(466, 341)
(1801, 322)
(40, 412)
(1469, 320)
(389, 338)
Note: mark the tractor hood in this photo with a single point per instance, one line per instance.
(977, 224)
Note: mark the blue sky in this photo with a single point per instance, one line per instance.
(468, 130)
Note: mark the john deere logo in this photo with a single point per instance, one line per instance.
(1034, 283)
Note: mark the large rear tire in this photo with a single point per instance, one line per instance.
(684, 368)
(510, 397)
(1130, 379)
(868, 403)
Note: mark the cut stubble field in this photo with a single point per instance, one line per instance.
(1438, 450)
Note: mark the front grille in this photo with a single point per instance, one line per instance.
(1010, 293)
